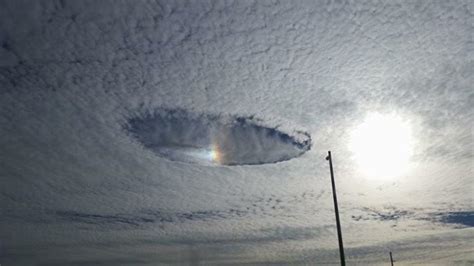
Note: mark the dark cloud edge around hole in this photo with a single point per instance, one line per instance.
(297, 138)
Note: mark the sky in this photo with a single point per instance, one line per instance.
(196, 132)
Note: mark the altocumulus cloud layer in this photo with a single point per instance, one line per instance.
(174, 132)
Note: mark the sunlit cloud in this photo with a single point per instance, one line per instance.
(382, 146)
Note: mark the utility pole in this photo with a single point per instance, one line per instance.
(336, 210)
(391, 259)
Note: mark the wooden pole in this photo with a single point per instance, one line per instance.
(391, 259)
(336, 210)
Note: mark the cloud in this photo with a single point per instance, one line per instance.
(386, 214)
(461, 219)
(109, 109)
(145, 217)
(203, 138)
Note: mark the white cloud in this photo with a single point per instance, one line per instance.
(73, 181)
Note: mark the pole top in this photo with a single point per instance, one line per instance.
(329, 155)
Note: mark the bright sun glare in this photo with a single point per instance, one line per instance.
(382, 146)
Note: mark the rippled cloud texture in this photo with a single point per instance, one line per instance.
(177, 132)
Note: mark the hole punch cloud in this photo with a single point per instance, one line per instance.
(210, 139)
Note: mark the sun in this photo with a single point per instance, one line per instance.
(382, 146)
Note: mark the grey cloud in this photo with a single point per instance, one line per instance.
(184, 136)
(145, 217)
(460, 219)
(386, 214)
